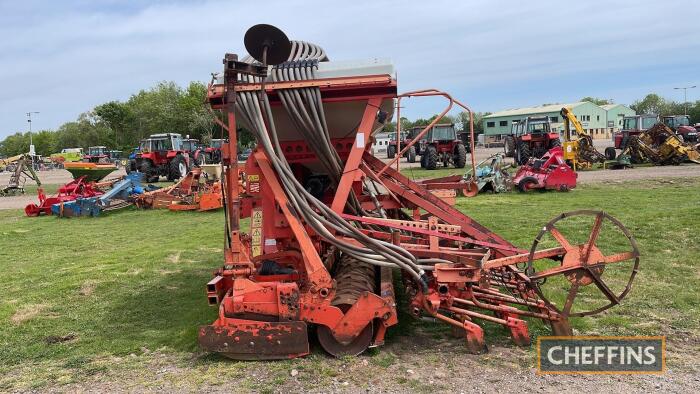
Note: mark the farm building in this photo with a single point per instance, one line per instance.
(615, 114)
(593, 118)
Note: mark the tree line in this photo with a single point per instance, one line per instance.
(168, 107)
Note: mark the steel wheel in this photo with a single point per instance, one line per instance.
(583, 264)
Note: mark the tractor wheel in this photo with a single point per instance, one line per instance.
(460, 157)
(431, 158)
(523, 153)
(610, 153)
(509, 146)
(390, 152)
(411, 154)
(527, 184)
(178, 168)
(130, 166)
(149, 173)
(554, 142)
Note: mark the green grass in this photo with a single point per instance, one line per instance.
(86, 296)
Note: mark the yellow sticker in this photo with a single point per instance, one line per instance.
(257, 251)
(256, 219)
(253, 178)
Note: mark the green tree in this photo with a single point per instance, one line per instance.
(596, 101)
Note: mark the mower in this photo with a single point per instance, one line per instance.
(550, 172)
(330, 223)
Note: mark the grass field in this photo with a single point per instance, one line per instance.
(98, 297)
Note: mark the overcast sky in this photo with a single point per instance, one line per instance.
(62, 58)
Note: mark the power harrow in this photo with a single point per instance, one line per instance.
(329, 223)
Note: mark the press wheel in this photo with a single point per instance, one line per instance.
(582, 264)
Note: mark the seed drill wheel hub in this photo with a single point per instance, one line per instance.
(583, 264)
(574, 258)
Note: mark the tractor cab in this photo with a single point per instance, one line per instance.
(212, 153)
(96, 154)
(531, 137)
(680, 124)
(633, 125)
(190, 144)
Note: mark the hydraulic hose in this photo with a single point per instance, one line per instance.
(305, 108)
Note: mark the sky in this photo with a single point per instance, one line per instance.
(62, 58)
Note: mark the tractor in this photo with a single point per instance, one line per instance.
(96, 154)
(631, 126)
(391, 150)
(531, 137)
(161, 155)
(194, 150)
(680, 124)
(440, 144)
(212, 153)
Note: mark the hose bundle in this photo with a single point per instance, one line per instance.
(305, 108)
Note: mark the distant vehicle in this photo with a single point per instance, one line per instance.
(68, 155)
(195, 150)
(680, 124)
(530, 137)
(439, 144)
(243, 155)
(96, 154)
(161, 155)
(391, 149)
(212, 153)
(633, 125)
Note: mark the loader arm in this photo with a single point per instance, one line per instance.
(569, 119)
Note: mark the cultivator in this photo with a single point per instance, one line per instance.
(329, 222)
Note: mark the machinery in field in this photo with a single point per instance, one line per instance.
(190, 193)
(96, 154)
(330, 223)
(491, 175)
(212, 153)
(440, 144)
(680, 124)
(68, 155)
(21, 170)
(115, 198)
(394, 146)
(578, 148)
(631, 126)
(658, 145)
(550, 172)
(530, 137)
(195, 151)
(161, 155)
(80, 187)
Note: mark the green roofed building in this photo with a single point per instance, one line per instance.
(594, 119)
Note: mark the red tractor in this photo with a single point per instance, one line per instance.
(212, 153)
(440, 144)
(680, 124)
(531, 137)
(391, 150)
(631, 125)
(194, 150)
(161, 155)
(96, 154)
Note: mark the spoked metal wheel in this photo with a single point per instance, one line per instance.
(584, 263)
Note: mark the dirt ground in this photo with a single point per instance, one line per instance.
(419, 363)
